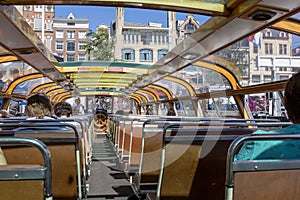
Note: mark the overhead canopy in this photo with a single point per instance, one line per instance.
(231, 21)
(208, 7)
(102, 78)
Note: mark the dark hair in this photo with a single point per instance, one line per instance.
(15, 71)
(292, 98)
(39, 105)
(101, 114)
(63, 108)
(171, 112)
(78, 99)
(4, 114)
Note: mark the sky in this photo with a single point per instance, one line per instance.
(104, 15)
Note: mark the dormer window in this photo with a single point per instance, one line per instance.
(190, 27)
(268, 34)
(282, 34)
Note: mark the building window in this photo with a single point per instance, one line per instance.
(161, 53)
(81, 45)
(146, 38)
(282, 34)
(27, 8)
(163, 37)
(285, 49)
(268, 34)
(37, 24)
(48, 42)
(282, 49)
(283, 78)
(48, 25)
(158, 37)
(154, 36)
(81, 57)
(128, 35)
(70, 57)
(256, 64)
(190, 27)
(71, 34)
(282, 68)
(59, 45)
(59, 34)
(268, 48)
(38, 8)
(187, 35)
(167, 38)
(255, 48)
(124, 35)
(82, 34)
(49, 8)
(133, 34)
(127, 54)
(71, 23)
(255, 78)
(137, 37)
(145, 55)
(71, 46)
(267, 78)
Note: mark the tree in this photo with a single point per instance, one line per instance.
(89, 47)
(238, 55)
(100, 45)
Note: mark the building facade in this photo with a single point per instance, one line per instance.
(186, 27)
(40, 18)
(142, 43)
(271, 57)
(69, 38)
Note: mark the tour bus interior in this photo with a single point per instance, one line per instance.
(203, 78)
(214, 74)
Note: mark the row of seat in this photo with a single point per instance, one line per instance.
(69, 150)
(179, 158)
(26, 181)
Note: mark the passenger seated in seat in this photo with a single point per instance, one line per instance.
(171, 112)
(288, 149)
(39, 107)
(101, 118)
(63, 110)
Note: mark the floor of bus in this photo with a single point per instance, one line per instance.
(106, 182)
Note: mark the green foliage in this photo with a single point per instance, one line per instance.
(100, 46)
(237, 55)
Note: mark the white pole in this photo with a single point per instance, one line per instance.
(43, 24)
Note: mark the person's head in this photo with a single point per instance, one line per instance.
(4, 114)
(119, 112)
(39, 105)
(292, 98)
(171, 112)
(15, 73)
(63, 109)
(101, 115)
(77, 101)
